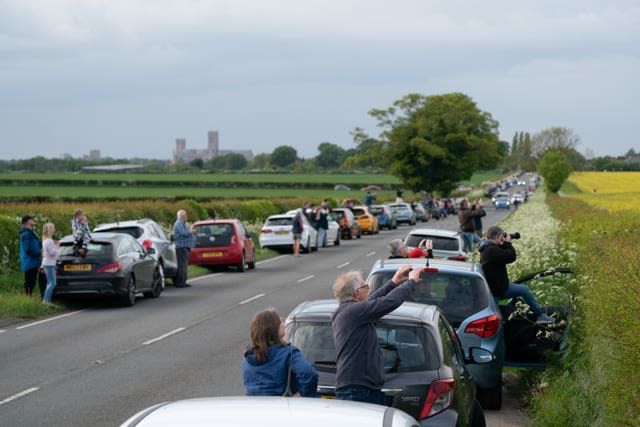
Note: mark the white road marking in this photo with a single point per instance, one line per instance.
(251, 299)
(208, 276)
(371, 253)
(271, 259)
(204, 277)
(2, 330)
(161, 337)
(50, 319)
(344, 264)
(19, 395)
(304, 279)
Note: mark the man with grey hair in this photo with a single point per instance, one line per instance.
(398, 249)
(185, 240)
(495, 253)
(359, 359)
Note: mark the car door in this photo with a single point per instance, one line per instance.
(247, 242)
(164, 246)
(142, 265)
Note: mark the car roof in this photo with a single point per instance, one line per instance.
(215, 221)
(322, 310)
(268, 411)
(119, 224)
(99, 237)
(282, 215)
(434, 232)
(444, 264)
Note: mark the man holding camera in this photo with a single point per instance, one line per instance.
(495, 253)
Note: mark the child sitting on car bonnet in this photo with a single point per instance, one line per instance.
(80, 232)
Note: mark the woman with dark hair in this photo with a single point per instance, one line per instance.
(266, 362)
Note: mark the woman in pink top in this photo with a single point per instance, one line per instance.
(49, 258)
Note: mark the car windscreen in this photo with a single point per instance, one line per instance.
(94, 249)
(212, 235)
(376, 211)
(132, 231)
(276, 222)
(358, 212)
(406, 348)
(399, 207)
(458, 294)
(439, 243)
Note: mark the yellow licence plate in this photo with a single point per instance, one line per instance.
(327, 396)
(211, 254)
(282, 233)
(77, 267)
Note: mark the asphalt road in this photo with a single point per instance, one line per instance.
(100, 364)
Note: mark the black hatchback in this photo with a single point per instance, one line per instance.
(426, 373)
(115, 264)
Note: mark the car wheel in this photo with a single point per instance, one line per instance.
(477, 417)
(307, 248)
(241, 264)
(491, 398)
(337, 242)
(359, 235)
(252, 264)
(158, 283)
(129, 298)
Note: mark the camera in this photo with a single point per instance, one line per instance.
(515, 235)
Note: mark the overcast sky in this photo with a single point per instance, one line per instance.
(128, 77)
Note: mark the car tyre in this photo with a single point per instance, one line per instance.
(241, 264)
(252, 264)
(129, 298)
(307, 248)
(491, 398)
(337, 242)
(158, 283)
(477, 417)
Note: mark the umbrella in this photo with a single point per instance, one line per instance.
(371, 188)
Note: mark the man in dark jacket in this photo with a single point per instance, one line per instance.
(495, 253)
(467, 227)
(30, 256)
(359, 359)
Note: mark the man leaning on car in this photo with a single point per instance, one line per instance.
(359, 359)
(185, 240)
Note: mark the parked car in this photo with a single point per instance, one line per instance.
(268, 411)
(502, 202)
(426, 372)
(446, 244)
(517, 198)
(115, 264)
(150, 231)
(332, 236)
(461, 291)
(421, 212)
(223, 243)
(368, 221)
(276, 233)
(386, 218)
(349, 227)
(404, 213)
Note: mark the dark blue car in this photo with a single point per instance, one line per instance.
(386, 218)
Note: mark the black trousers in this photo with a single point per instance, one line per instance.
(183, 260)
(30, 277)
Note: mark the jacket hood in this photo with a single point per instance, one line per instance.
(485, 244)
(25, 230)
(275, 352)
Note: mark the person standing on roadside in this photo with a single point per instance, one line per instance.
(322, 219)
(466, 216)
(30, 256)
(185, 240)
(477, 220)
(49, 258)
(359, 359)
(297, 227)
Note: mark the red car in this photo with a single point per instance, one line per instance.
(223, 242)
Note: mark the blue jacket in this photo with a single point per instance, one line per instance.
(270, 378)
(30, 249)
(183, 235)
(359, 359)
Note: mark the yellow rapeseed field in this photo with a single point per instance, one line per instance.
(614, 191)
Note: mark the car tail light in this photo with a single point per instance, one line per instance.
(265, 231)
(430, 270)
(458, 258)
(234, 240)
(439, 398)
(485, 327)
(146, 244)
(114, 267)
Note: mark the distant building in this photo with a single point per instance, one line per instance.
(93, 155)
(182, 154)
(632, 159)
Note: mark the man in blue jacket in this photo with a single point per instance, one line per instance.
(30, 256)
(359, 359)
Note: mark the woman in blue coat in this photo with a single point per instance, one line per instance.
(266, 361)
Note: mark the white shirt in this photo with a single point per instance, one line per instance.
(49, 252)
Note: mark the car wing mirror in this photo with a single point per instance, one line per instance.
(480, 355)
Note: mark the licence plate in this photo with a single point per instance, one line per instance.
(211, 254)
(328, 396)
(282, 233)
(77, 267)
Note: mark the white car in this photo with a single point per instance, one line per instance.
(269, 411)
(332, 236)
(276, 233)
(446, 244)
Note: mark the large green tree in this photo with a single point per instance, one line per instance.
(555, 169)
(284, 156)
(434, 142)
(329, 155)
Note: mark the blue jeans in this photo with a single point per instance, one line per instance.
(50, 272)
(469, 238)
(360, 393)
(518, 290)
(321, 233)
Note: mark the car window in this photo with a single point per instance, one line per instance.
(99, 249)
(125, 247)
(136, 246)
(133, 231)
(458, 294)
(336, 215)
(212, 235)
(439, 243)
(406, 348)
(159, 231)
(241, 229)
(358, 211)
(376, 211)
(450, 343)
(152, 231)
(272, 222)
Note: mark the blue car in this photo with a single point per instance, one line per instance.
(386, 218)
(404, 213)
(502, 203)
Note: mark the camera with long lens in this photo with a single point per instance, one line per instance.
(515, 235)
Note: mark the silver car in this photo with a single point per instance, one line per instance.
(446, 244)
(462, 292)
(149, 234)
(249, 411)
